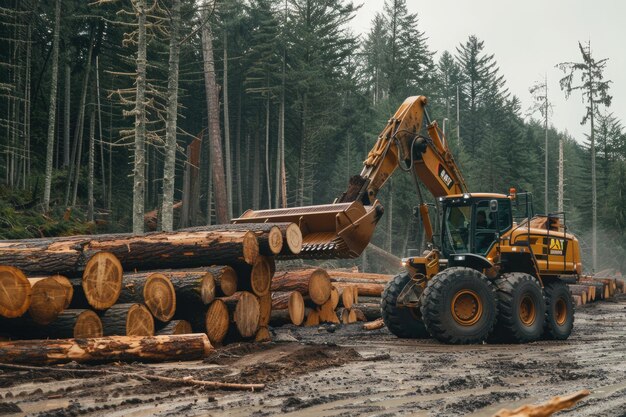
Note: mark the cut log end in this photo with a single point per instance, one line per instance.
(50, 296)
(247, 314)
(160, 297)
(102, 280)
(293, 238)
(263, 335)
(250, 248)
(139, 321)
(296, 308)
(225, 278)
(261, 276)
(88, 324)
(319, 286)
(216, 321)
(15, 292)
(275, 240)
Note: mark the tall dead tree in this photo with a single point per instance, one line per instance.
(53, 106)
(228, 156)
(213, 105)
(139, 167)
(169, 168)
(595, 92)
(543, 106)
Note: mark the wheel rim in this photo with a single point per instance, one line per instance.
(527, 311)
(467, 307)
(560, 310)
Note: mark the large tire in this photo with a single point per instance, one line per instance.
(459, 306)
(521, 309)
(559, 311)
(403, 322)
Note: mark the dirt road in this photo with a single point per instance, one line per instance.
(350, 372)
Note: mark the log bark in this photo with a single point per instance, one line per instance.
(269, 235)
(245, 312)
(216, 321)
(15, 292)
(155, 290)
(127, 320)
(312, 317)
(352, 275)
(287, 307)
(347, 316)
(263, 335)
(327, 313)
(256, 278)
(364, 289)
(107, 349)
(578, 300)
(371, 311)
(175, 327)
(49, 297)
(374, 325)
(70, 323)
(68, 255)
(265, 309)
(312, 283)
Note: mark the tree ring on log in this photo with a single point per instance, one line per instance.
(102, 280)
(49, 297)
(139, 321)
(160, 296)
(207, 288)
(261, 276)
(250, 248)
(319, 286)
(88, 324)
(227, 280)
(247, 314)
(15, 292)
(216, 321)
(294, 238)
(296, 308)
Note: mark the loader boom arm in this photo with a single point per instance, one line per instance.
(402, 142)
(343, 229)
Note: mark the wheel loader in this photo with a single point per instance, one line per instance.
(493, 272)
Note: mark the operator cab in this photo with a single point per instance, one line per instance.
(472, 223)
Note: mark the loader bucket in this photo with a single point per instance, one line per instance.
(328, 231)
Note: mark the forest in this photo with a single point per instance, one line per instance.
(138, 115)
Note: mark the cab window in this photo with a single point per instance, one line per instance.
(486, 224)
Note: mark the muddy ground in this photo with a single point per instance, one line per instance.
(314, 372)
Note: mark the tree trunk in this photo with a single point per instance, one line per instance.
(128, 319)
(245, 311)
(53, 106)
(108, 349)
(169, 168)
(216, 321)
(287, 307)
(102, 165)
(156, 250)
(268, 174)
(212, 93)
(91, 164)
(78, 129)
(257, 277)
(15, 292)
(312, 283)
(175, 327)
(271, 236)
(50, 296)
(228, 155)
(560, 207)
(155, 290)
(256, 172)
(139, 166)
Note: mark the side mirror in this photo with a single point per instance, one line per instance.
(493, 206)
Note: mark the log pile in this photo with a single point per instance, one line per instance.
(600, 286)
(106, 286)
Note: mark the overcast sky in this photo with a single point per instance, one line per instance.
(528, 39)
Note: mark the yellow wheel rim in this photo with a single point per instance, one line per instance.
(560, 312)
(466, 307)
(527, 311)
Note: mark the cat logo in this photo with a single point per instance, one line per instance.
(557, 246)
(445, 177)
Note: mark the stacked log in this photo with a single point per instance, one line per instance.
(114, 285)
(601, 286)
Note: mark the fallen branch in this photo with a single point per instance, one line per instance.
(185, 381)
(546, 409)
(374, 325)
